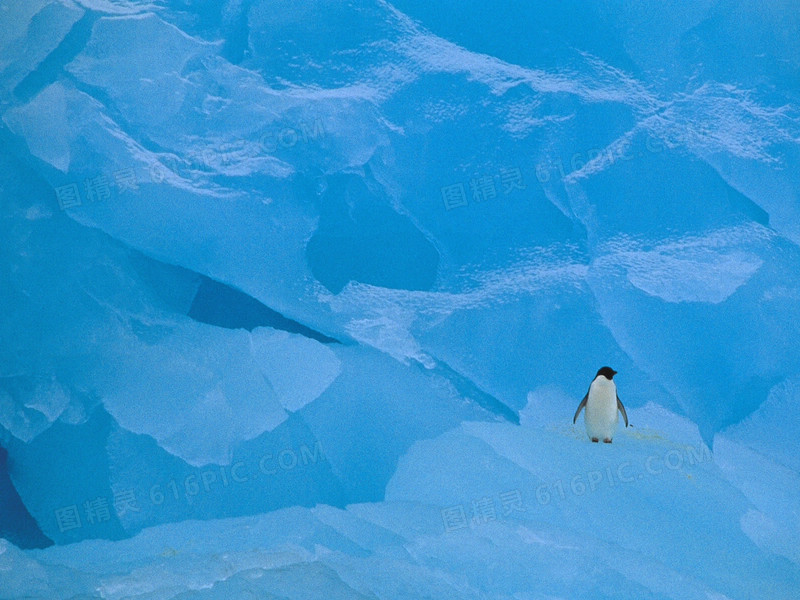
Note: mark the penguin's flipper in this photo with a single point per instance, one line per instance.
(622, 410)
(580, 408)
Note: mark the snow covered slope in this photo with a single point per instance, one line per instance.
(483, 511)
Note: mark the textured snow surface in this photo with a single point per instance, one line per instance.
(483, 511)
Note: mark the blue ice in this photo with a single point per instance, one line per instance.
(299, 299)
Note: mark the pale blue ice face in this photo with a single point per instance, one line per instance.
(337, 275)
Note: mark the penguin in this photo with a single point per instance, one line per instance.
(602, 407)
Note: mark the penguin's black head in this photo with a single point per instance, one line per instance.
(606, 372)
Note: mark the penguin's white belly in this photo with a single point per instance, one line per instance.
(601, 411)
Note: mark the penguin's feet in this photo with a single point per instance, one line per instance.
(607, 440)
(595, 440)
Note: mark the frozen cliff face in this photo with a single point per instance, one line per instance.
(258, 255)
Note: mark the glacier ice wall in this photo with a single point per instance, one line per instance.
(252, 252)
